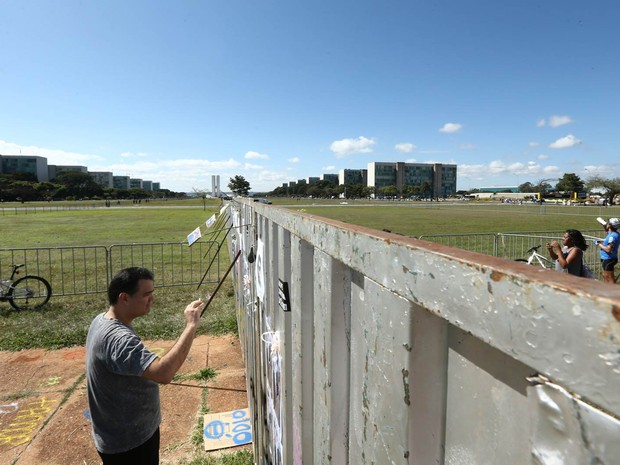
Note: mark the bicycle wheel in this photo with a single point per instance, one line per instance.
(29, 292)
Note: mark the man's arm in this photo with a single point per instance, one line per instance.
(161, 370)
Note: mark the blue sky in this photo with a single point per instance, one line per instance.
(511, 91)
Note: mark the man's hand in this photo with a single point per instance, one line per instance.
(162, 370)
(192, 312)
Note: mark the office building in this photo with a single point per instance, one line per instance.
(103, 178)
(352, 177)
(30, 164)
(121, 182)
(330, 177)
(441, 178)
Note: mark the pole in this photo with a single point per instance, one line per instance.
(220, 283)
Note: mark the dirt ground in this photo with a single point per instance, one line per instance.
(44, 412)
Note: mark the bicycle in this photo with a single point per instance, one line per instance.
(536, 258)
(26, 293)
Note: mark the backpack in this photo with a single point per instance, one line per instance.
(586, 272)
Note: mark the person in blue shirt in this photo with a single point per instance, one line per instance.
(609, 249)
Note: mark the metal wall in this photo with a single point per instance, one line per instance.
(393, 350)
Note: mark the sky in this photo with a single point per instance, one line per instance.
(511, 91)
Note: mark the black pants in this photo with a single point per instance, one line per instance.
(146, 454)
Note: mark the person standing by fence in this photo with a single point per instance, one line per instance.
(569, 257)
(609, 248)
(123, 376)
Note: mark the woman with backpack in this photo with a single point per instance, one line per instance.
(569, 257)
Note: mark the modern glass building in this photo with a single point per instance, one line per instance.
(441, 178)
(330, 177)
(350, 177)
(103, 178)
(55, 170)
(38, 167)
(121, 182)
(13, 164)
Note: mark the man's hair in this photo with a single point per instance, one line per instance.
(127, 280)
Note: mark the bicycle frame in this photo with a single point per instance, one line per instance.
(541, 260)
(537, 259)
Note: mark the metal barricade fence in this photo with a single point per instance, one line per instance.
(88, 269)
(70, 270)
(514, 245)
(173, 263)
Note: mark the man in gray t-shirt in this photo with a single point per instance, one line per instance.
(123, 376)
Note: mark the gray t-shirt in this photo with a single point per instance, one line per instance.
(124, 406)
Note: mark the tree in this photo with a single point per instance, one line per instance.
(611, 187)
(426, 188)
(570, 182)
(389, 191)
(239, 186)
(77, 185)
(542, 186)
(527, 187)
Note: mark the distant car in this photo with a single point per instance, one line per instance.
(226, 197)
(261, 200)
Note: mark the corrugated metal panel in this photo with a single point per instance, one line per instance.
(397, 350)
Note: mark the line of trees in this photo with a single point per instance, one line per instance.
(68, 185)
(571, 183)
(326, 189)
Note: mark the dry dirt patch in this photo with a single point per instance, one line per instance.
(44, 412)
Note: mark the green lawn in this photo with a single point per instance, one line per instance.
(63, 321)
(432, 218)
(104, 226)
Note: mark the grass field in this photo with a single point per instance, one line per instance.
(64, 321)
(432, 218)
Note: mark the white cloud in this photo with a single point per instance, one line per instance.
(557, 121)
(54, 156)
(405, 147)
(542, 156)
(451, 128)
(346, 147)
(294, 160)
(328, 168)
(434, 152)
(468, 146)
(411, 160)
(533, 144)
(134, 155)
(251, 167)
(554, 121)
(500, 168)
(589, 171)
(565, 142)
(256, 156)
